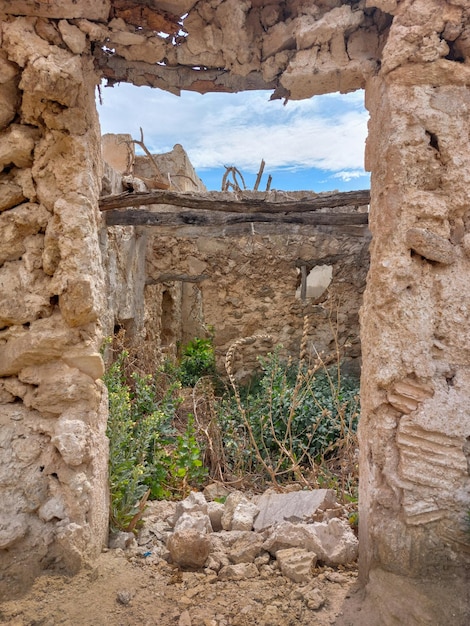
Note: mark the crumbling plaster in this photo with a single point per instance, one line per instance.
(412, 57)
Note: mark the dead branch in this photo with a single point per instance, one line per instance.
(159, 183)
(260, 174)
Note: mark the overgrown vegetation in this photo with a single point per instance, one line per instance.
(169, 431)
(149, 457)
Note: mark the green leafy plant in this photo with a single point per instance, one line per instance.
(147, 456)
(186, 466)
(197, 360)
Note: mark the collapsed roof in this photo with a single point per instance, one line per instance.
(296, 48)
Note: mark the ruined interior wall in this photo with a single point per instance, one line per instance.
(53, 449)
(246, 285)
(415, 426)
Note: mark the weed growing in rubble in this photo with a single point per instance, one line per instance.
(148, 458)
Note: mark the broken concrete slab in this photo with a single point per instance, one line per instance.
(298, 506)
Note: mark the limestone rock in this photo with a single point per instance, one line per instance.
(196, 520)
(195, 502)
(21, 41)
(12, 529)
(246, 549)
(26, 295)
(17, 143)
(69, 9)
(54, 508)
(87, 361)
(296, 563)
(189, 548)
(73, 37)
(240, 571)
(311, 595)
(231, 503)
(299, 506)
(71, 440)
(214, 491)
(58, 387)
(9, 100)
(244, 516)
(16, 224)
(77, 303)
(430, 245)
(46, 339)
(336, 542)
(288, 535)
(215, 510)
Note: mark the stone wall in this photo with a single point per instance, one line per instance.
(415, 426)
(249, 285)
(53, 450)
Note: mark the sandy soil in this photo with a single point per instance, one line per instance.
(129, 589)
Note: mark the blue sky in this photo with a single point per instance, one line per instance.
(315, 144)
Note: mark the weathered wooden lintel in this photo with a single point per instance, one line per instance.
(218, 202)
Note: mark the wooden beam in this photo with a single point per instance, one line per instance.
(142, 217)
(216, 201)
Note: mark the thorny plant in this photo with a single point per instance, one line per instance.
(298, 423)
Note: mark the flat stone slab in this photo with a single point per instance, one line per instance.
(297, 506)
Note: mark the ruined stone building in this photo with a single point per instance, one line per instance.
(412, 57)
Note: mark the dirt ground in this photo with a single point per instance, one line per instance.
(124, 589)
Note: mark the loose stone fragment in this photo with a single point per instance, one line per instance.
(296, 563)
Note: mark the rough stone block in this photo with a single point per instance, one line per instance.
(89, 363)
(73, 37)
(25, 294)
(16, 224)
(296, 564)
(298, 506)
(246, 549)
(244, 516)
(45, 340)
(77, 303)
(195, 520)
(431, 246)
(57, 9)
(16, 145)
(189, 548)
(9, 101)
(287, 535)
(71, 440)
(240, 571)
(233, 500)
(336, 542)
(215, 510)
(195, 502)
(58, 387)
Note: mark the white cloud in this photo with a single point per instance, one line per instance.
(325, 132)
(347, 175)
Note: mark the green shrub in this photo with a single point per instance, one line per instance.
(290, 419)
(147, 457)
(197, 360)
